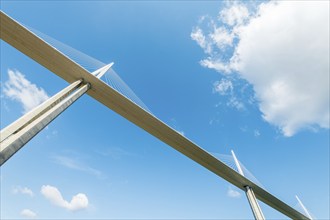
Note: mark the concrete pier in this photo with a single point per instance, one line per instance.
(25, 128)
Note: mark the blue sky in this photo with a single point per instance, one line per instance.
(248, 77)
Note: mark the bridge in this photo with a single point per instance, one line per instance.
(16, 135)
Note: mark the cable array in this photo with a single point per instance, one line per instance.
(230, 162)
(111, 78)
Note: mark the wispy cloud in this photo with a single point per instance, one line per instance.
(76, 164)
(22, 190)
(4, 103)
(223, 87)
(20, 89)
(78, 202)
(233, 193)
(114, 153)
(27, 213)
(214, 121)
(52, 134)
(290, 73)
(198, 35)
(235, 103)
(235, 99)
(256, 133)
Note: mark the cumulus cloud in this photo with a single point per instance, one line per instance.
(78, 202)
(222, 37)
(20, 89)
(233, 193)
(23, 190)
(236, 14)
(27, 213)
(282, 50)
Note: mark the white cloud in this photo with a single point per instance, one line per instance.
(20, 89)
(235, 103)
(51, 134)
(22, 190)
(77, 165)
(115, 153)
(233, 193)
(282, 50)
(256, 133)
(216, 64)
(236, 14)
(200, 38)
(78, 202)
(222, 37)
(27, 213)
(223, 87)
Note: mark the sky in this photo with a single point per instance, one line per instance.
(252, 77)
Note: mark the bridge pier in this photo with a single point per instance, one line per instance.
(257, 212)
(17, 134)
(258, 215)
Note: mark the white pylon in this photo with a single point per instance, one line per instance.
(304, 208)
(257, 212)
(100, 72)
